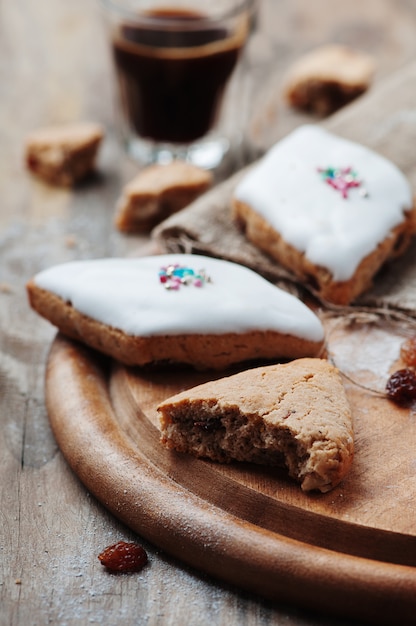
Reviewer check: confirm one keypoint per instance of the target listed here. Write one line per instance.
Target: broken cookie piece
(327, 78)
(157, 192)
(63, 155)
(294, 415)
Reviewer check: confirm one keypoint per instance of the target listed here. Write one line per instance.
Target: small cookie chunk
(327, 78)
(166, 309)
(294, 415)
(157, 192)
(328, 209)
(63, 155)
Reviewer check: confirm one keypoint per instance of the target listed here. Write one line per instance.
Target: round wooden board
(350, 552)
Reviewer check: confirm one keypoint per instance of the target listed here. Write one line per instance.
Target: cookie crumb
(65, 154)
(327, 78)
(6, 288)
(157, 192)
(70, 241)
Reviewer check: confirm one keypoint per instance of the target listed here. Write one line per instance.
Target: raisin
(32, 163)
(209, 425)
(408, 352)
(401, 386)
(123, 557)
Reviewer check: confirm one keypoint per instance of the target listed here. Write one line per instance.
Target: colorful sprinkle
(174, 276)
(342, 179)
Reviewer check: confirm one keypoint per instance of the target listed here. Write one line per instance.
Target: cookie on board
(190, 309)
(294, 415)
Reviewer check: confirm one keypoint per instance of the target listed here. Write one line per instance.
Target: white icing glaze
(336, 233)
(127, 294)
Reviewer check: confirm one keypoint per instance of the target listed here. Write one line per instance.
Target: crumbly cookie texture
(65, 154)
(294, 415)
(175, 308)
(329, 210)
(157, 192)
(327, 78)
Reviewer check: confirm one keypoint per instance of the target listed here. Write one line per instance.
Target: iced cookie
(330, 210)
(63, 155)
(294, 415)
(327, 78)
(157, 192)
(175, 308)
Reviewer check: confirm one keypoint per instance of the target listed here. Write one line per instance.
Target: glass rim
(129, 13)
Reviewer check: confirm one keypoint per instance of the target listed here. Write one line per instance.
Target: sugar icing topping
(127, 294)
(333, 230)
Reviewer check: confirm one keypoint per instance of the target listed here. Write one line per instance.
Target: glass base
(208, 153)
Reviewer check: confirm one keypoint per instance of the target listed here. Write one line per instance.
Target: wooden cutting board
(350, 552)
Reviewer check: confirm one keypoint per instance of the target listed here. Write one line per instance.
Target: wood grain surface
(55, 67)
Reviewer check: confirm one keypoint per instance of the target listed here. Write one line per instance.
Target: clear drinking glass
(180, 73)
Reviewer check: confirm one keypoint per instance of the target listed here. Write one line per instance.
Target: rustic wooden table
(55, 67)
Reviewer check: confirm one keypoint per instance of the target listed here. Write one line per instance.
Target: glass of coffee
(180, 76)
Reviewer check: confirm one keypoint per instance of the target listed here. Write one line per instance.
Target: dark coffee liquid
(172, 85)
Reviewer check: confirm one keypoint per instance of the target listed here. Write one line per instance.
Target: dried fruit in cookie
(124, 557)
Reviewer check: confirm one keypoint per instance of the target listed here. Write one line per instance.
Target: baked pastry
(63, 155)
(165, 309)
(157, 192)
(327, 78)
(294, 415)
(330, 210)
